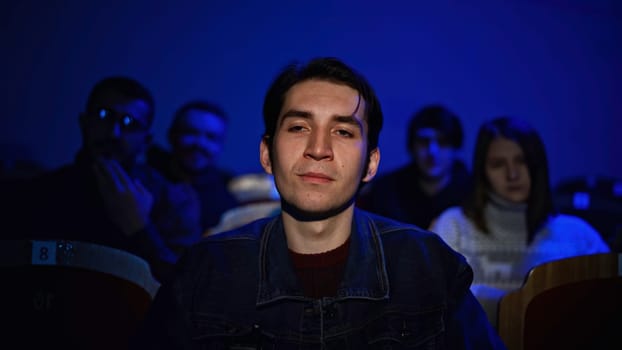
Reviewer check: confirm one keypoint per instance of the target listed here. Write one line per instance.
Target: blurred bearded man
(196, 138)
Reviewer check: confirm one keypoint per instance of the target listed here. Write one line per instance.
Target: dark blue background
(557, 64)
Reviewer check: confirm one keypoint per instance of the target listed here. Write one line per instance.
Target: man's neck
(313, 237)
(84, 156)
(186, 175)
(432, 186)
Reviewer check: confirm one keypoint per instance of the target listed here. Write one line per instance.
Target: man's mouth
(316, 177)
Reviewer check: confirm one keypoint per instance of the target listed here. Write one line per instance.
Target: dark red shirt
(320, 274)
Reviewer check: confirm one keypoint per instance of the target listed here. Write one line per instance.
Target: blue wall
(557, 64)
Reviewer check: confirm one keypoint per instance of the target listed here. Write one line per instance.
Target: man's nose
(319, 146)
(433, 147)
(114, 129)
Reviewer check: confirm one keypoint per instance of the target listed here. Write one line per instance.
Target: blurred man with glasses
(106, 196)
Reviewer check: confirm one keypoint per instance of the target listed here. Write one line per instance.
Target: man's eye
(422, 142)
(103, 113)
(443, 142)
(127, 120)
(295, 128)
(345, 133)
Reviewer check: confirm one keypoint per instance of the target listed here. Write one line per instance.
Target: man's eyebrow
(296, 113)
(349, 119)
(346, 119)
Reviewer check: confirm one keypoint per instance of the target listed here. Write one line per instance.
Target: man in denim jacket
(321, 274)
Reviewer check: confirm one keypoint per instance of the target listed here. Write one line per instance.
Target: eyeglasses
(127, 122)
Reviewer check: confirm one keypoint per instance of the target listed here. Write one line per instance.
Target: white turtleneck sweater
(502, 258)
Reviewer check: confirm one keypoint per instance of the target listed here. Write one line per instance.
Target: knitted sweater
(502, 258)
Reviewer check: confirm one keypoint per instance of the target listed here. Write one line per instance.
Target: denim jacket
(403, 288)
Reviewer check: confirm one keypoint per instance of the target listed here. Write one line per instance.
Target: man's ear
(372, 166)
(170, 136)
(82, 120)
(264, 155)
(83, 123)
(149, 139)
(146, 142)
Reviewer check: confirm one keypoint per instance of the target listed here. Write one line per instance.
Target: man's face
(507, 171)
(198, 140)
(433, 154)
(319, 148)
(116, 127)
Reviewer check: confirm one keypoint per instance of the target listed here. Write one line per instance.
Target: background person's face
(507, 171)
(433, 154)
(198, 140)
(319, 148)
(116, 127)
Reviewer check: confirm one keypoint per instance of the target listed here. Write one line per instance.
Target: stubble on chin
(304, 214)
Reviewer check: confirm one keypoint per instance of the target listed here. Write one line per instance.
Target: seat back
(72, 295)
(568, 303)
(597, 200)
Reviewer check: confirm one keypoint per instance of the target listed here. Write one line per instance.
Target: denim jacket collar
(365, 275)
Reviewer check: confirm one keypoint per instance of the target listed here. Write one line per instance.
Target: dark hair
(201, 105)
(437, 117)
(324, 68)
(540, 201)
(126, 87)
